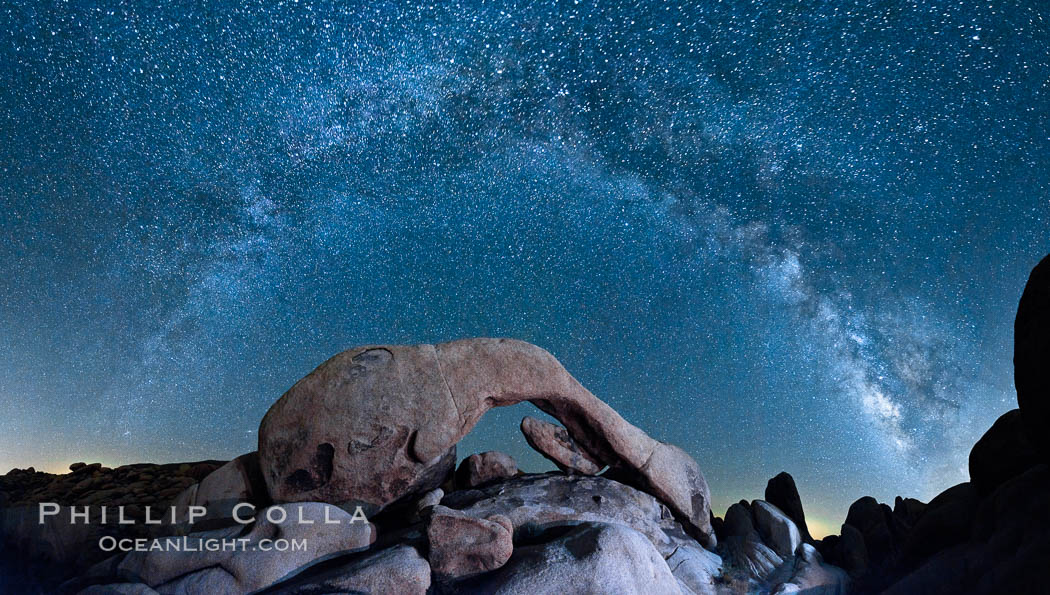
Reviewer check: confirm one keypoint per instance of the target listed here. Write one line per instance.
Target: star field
(784, 236)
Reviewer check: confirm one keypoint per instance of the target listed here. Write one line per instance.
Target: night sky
(782, 235)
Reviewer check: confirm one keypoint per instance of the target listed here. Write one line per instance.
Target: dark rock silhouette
(852, 552)
(882, 532)
(1005, 551)
(908, 510)
(1003, 452)
(945, 522)
(1032, 355)
(738, 521)
(782, 493)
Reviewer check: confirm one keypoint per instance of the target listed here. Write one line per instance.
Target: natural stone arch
(375, 424)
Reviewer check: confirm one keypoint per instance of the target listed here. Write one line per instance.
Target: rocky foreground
(357, 459)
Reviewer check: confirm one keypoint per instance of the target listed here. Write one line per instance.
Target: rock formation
(776, 528)
(479, 469)
(555, 443)
(782, 493)
(532, 502)
(1003, 452)
(811, 575)
(1032, 355)
(399, 569)
(325, 528)
(373, 425)
(585, 558)
(764, 552)
(221, 490)
(462, 545)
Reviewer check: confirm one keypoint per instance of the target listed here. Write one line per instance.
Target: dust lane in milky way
(783, 237)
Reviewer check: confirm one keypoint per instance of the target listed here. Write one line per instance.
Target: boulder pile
(136, 485)
(57, 548)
